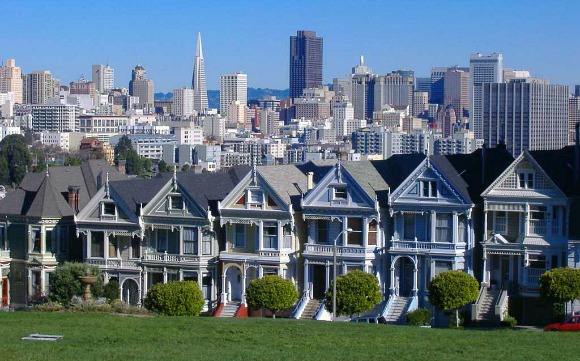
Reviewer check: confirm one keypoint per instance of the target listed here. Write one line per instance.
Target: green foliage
(185, 168)
(79, 305)
(65, 283)
(560, 284)
(111, 291)
(419, 317)
(48, 307)
(356, 292)
(17, 159)
(271, 292)
(122, 147)
(119, 306)
(509, 321)
(162, 166)
(175, 299)
(452, 289)
(558, 312)
(73, 159)
(146, 164)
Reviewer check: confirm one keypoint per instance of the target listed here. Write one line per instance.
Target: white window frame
(338, 191)
(236, 243)
(104, 214)
(431, 187)
(525, 177)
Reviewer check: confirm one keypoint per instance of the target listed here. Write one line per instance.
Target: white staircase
(396, 313)
(230, 309)
(486, 315)
(310, 310)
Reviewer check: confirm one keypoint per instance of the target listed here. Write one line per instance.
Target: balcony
(538, 226)
(417, 247)
(114, 263)
(170, 258)
(341, 251)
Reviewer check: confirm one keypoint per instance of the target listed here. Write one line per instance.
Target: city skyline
(260, 48)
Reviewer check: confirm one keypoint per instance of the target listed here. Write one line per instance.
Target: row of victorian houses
(404, 220)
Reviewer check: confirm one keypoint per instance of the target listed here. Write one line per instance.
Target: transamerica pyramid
(198, 80)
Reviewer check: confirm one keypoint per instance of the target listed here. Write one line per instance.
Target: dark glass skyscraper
(305, 62)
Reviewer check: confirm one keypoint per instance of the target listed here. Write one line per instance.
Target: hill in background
(213, 96)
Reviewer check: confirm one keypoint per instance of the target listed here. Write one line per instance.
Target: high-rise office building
(394, 89)
(141, 87)
(233, 87)
(39, 87)
(103, 77)
(577, 90)
(437, 94)
(525, 114)
(573, 117)
(362, 90)
(482, 69)
(183, 102)
(423, 84)
(305, 62)
(198, 80)
(456, 91)
(11, 80)
(420, 103)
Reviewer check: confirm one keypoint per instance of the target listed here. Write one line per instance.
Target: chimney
(73, 197)
(309, 181)
(121, 166)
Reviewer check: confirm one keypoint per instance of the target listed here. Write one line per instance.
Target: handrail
(300, 306)
(475, 306)
(388, 306)
(320, 311)
(501, 306)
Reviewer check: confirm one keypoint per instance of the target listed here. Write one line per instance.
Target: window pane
(190, 240)
(35, 239)
(135, 247)
(409, 226)
(355, 237)
(443, 228)
(322, 231)
(240, 235)
(372, 236)
(97, 244)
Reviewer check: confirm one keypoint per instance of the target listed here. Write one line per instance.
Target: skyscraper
(11, 80)
(573, 117)
(198, 79)
(305, 62)
(183, 102)
(456, 91)
(39, 87)
(525, 114)
(103, 77)
(141, 87)
(233, 87)
(437, 85)
(482, 69)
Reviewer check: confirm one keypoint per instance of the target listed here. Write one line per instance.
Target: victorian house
(342, 215)
(262, 228)
(37, 229)
(143, 232)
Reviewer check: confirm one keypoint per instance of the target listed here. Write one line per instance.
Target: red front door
(5, 290)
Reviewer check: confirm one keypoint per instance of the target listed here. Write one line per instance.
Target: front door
(318, 281)
(406, 277)
(234, 283)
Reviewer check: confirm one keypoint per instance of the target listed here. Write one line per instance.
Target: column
(260, 235)
(454, 229)
(105, 245)
(244, 268)
(42, 240)
(327, 273)
(306, 275)
(280, 234)
(392, 286)
(87, 245)
(365, 231)
(144, 288)
(485, 214)
(181, 240)
(433, 224)
(527, 220)
(42, 280)
(415, 278)
(224, 295)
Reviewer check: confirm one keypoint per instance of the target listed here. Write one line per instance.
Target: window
(526, 180)
(269, 271)
(500, 222)
(462, 228)
(161, 245)
(256, 198)
(108, 209)
(339, 194)
(287, 234)
(2, 239)
(176, 202)
(113, 246)
(408, 226)
(443, 227)
(97, 244)
(190, 241)
(270, 232)
(354, 237)
(441, 266)
(206, 240)
(240, 236)
(321, 231)
(429, 189)
(372, 236)
(135, 247)
(50, 240)
(35, 239)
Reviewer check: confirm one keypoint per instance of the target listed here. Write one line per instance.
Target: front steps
(230, 309)
(310, 310)
(397, 311)
(486, 316)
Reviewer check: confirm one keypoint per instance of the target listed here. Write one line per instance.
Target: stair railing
(475, 306)
(301, 305)
(501, 305)
(388, 305)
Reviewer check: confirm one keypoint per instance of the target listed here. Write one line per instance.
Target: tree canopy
(356, 292)
(175, 298)
(452, 289)
(65, 283)
(15, 159)
(271, 292)
(560, 284)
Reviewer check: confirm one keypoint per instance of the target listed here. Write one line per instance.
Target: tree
(273, 293)
(450, 290)
(146, 164)
(175, 298)
(162, 166)
(111, 291)
(123, 146)
(356, 292)
(14, 150)
(185, 168)
(73, 159)
(134, 163)
(560, 285)
(65, 283)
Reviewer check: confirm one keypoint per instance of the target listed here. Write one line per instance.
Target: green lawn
(112, 337)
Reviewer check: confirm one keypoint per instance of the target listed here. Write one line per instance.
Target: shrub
(64, 282)
(119, 306)
(111, 291)
(419, 317)
(48, 307)
(272, 292)
(175, 299)
(509, 321)
(356, 292)
(77, 304)
(450, 290)
(560, 285)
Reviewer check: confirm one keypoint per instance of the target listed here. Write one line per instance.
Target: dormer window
(108, 209)
(428, 189)
(255, 198)
(339, 193)
(525, 180)
(176, 202)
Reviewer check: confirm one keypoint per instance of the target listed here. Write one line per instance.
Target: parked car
(371, 319)
(571, 324)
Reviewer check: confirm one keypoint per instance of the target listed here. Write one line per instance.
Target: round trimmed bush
(419, 317)
(271, 292)
(175, 299)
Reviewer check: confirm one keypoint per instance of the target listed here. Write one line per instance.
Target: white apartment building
(214, 127)
(183, 102)
(188, 135)
(233, 87)
(6, 130)
(103, 77)
(67, 141)
(148, 145)
(55, 117)
(482, 69)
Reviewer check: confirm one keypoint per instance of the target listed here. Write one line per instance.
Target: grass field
(113, 337)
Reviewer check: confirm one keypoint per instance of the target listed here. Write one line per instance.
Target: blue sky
(66, 37)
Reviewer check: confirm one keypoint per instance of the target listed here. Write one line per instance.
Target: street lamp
(348, 230)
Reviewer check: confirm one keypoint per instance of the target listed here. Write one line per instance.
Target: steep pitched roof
(397, 168)
(480, 168)
(284, 179)
(446, 169)
(368, 178)
(47, 204)
(135, 192)
(319, 168)
(559, 166)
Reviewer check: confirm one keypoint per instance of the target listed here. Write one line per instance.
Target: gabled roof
(47, 204)
(319, 168)
(559, 165)
(397, 168)
(284, 179)
(135, 192)
(368, 178)
(451, 175)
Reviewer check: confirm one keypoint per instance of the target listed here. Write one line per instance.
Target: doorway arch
(404, 276)
(234, 284)
(130, 292)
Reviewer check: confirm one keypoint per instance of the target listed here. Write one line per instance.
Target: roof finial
(107, 185)
(339, 170)
(254, 171)
(46, 163)
(174, 179)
